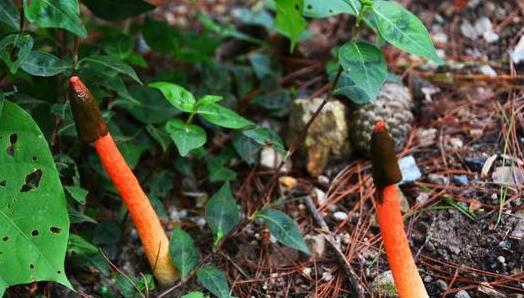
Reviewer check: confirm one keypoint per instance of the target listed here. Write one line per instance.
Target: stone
(488, 290)
(518, 53)
(462, 294)
(475, 163)
(518, 231)
(461, 180)
(488, 70)
(340, 216)
(438, 179)
(426, 137)
(271, 159)
(327, 137)
(317, 245)
(384, 286)
(409, 169)
(508, 176)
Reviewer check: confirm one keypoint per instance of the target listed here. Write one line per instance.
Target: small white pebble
(307, 271)
(501, 259)
(327, 276)
(340, 216)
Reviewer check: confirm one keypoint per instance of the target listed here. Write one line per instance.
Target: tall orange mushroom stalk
(92, 129)
(386, 175)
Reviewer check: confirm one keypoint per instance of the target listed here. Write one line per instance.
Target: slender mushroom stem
(386, 174)
(92, 129)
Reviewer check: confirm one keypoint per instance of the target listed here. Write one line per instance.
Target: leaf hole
(331, 11)
(309, 6)
(34, 158)
(55, 230)
(34, 233)
(3, 183)
(297, 7)
(31, 266)
(32, 181)
(59, 272)
(5, 238)
(12, 141)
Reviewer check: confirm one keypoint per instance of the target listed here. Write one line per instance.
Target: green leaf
(323, 8)
(183, 251)
(159, 36)
(265, 137)
(186, 136)
(402, 29)
(112, 64)
(289, 19)
(9, 15)
(194, 295)
(246, 148)
(117, 10)
(214, 280)
(208, 99)
(147, 105)
(2, 101)
(177, 95)
(55, 14)
(365, 65)
(283, 228)
(14, 49)
(34, 224)
(160, 136)
(44, 64)
(222, 212)
(77, 193)
(221, 116)
(218, 171)
(79, 245)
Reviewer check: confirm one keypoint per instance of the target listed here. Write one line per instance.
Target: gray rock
(461, 179)
(317, 245)
(410, 170)
(327, 137)
(462, 294)
(384, 286)
(438, 179)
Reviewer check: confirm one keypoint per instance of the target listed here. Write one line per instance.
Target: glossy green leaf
(323, 8)
(247, 148)
(183, 251)
(115, 10)
(283, 228)
(208, 99)
(177, 95)
(214, 280)
(79, 245)
(14, 49)
(147, 105)
(62, 14)
(266, 137)
(112, 64)
(222, 116)
(194, 295)
(9, 14)
(218, 171)
(289, 19)
(44, 64)
(77, 193)
(365, 65)
(402, 29)
(186, 136)
(222, 212)
(34, 224)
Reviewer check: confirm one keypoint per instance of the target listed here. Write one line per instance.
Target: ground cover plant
(146, 149)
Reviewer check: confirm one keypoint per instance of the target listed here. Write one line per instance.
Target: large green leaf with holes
(34, 225)
(323, 8)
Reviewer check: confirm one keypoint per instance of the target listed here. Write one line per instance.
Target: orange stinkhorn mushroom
(386, 175)
(92, 129)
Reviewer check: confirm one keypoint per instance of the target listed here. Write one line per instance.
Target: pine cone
(393, 105)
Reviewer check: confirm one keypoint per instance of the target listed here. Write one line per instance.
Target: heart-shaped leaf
(14, 49)
(186, 136)
(283, 228)
(34, 224)
(177, 95)
(222, 212)
(289, 19)
(183, 251)
(365, 65)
